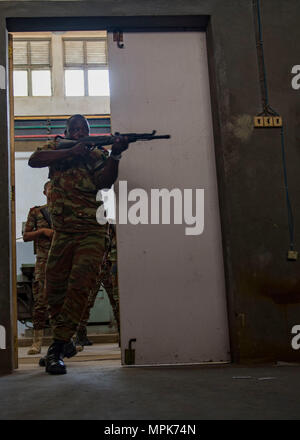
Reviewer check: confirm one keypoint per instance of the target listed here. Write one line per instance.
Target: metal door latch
(130, 353)
(118, 37)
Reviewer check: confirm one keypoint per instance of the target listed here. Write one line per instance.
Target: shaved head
(77, 124)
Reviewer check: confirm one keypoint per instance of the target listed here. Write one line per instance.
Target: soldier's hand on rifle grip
(79, 149)
(120, 144)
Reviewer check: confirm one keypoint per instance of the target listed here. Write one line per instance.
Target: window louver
(96, 52)
(31, 53)
(85, 52)
(74, 53)
(40, 52)
(20, 53)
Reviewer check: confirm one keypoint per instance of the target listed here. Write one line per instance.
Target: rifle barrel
(164, 136)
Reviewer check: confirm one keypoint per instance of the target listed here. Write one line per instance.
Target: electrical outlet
(292, 255)
(267, 121)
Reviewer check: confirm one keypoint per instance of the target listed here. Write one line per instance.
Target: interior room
(206, 214)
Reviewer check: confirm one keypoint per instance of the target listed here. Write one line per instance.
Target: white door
(172, 290)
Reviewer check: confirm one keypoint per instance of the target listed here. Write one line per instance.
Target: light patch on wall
(2, 338)
(2, 78)
(241, 127)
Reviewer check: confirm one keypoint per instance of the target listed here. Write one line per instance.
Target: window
(86, 69)
(32, 67)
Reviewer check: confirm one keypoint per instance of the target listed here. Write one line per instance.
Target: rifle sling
(46, 215)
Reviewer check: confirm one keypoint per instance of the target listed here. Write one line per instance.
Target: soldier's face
(78, 129)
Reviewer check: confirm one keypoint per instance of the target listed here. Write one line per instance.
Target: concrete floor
(104, 390)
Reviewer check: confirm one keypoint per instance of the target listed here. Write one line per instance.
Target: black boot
(69, 351)
(54, 358)
(81, 337)
(42, 361)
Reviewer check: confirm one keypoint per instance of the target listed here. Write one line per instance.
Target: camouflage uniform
(107, 277)
(35, 221)
(78, 240)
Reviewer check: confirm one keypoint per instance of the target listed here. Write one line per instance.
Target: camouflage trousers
(115, 291)
(109, 280)
(39, 312)
(71, 273)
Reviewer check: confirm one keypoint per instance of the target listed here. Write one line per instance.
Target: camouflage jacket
(72, 196)
(35, 221)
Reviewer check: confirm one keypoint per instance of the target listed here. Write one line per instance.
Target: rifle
(99, 141)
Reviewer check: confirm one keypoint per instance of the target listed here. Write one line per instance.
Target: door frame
(129, 24)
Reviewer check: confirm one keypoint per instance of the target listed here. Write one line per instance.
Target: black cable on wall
(268, 111)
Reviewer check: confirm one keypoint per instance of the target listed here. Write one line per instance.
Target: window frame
(85, 66)
(30, 67)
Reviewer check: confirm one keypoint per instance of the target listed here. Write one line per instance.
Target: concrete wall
(262, 286)
(6, 355)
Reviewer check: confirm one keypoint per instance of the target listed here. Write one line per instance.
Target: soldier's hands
(80, 149)
(120, 144)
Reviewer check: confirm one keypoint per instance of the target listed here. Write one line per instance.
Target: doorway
(55, 75)
(164, 316)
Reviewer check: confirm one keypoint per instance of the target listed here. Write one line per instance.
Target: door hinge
(10, 51)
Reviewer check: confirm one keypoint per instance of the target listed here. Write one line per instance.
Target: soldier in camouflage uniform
(38, 229)
(108, 278)
(78, 242)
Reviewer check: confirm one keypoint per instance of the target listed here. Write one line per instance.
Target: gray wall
(262, 287)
